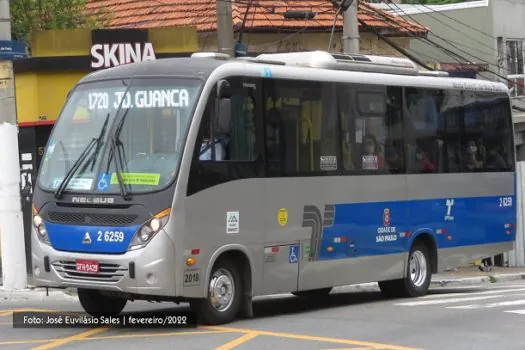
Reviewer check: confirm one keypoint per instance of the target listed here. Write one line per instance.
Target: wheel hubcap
(221, 290)
(418, 268)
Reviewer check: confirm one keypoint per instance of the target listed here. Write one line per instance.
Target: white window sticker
(74, 184)
(370, 163)
(232, 222)
(170, 98)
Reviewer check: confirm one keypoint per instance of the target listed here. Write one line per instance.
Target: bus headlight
(40, 227)
(149, 229)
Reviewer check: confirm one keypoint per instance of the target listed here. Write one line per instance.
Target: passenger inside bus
(423, 164)
(370, 154)
(393, 157)
(474, 156)
(494, 158)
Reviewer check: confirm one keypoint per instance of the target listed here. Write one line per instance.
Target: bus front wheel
(417, 279)
(224, 296)
(97, 304)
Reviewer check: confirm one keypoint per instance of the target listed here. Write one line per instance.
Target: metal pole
(351, 29)
(225, 27)
(11, 221)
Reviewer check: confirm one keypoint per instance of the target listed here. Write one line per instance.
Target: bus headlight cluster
(40, 227)
(149, 229)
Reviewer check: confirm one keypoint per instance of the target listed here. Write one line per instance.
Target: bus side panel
(229, 214)
(349, 228)
(470, 215)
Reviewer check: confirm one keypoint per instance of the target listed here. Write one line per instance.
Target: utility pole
(351, 29)
(225, 27)
(14, 275)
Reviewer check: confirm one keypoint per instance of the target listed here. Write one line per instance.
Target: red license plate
(90, 266)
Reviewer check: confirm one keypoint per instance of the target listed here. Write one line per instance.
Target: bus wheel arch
(235, 271)
(429, 241)
(421, 263)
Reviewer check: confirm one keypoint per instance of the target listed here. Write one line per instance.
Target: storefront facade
(59, 59)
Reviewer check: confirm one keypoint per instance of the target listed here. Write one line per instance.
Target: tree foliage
(35, 15)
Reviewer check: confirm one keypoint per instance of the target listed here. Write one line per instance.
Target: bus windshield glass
(139, 123)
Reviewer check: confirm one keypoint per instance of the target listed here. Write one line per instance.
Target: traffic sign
(12, 50)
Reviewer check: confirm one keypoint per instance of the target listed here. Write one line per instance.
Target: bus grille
(91, 219)
(107, 273)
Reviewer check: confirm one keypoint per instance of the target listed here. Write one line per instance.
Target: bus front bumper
(147, 271)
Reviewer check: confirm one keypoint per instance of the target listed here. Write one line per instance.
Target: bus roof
(187, 66)
(298, 65)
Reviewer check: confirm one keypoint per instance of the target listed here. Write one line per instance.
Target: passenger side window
(487, 143)
(455, 131)
(301, 128)
(424, 130)
(372, 130)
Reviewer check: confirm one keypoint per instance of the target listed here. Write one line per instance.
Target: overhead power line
(448, 52)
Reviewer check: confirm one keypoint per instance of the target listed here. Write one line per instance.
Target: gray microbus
(211, 180)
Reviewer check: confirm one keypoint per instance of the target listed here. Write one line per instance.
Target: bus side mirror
(224, 89)
(224, 116)
(224, 107)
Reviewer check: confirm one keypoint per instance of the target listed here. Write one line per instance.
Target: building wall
(281, 42)
(507, 17)
(469, 43)
(41, 95)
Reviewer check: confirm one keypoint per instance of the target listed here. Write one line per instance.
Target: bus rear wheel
(417, 279)
(224, 296)
(97, 304)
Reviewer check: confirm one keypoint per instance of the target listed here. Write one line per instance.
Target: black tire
(96, 304)
(207, 313)
(412, 286)
(314, 293)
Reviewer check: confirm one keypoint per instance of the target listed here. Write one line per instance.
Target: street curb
(469, 281)
(36, 294)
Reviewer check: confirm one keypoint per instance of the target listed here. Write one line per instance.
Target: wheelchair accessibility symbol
(293, 255)
(103, 182)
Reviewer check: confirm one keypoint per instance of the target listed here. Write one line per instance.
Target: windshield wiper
(95, 141)
(69, 175)
(115, 142)
(99, 142)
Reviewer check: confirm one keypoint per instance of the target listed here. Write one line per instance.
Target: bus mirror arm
(223, 121)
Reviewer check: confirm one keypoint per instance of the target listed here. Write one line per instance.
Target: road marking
(36, 341)
(79, 336)
(520, 312)
(312, 338)
(149, 335)
(238, 341)
(9, 312)
(446, 301)
(486, 306)
(432, 296)
(134, 335)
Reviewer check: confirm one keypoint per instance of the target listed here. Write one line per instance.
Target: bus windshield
(139, 123)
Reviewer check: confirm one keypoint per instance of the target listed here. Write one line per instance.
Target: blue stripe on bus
(104, 240)
(358, 229)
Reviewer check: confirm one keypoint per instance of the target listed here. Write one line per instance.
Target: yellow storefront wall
(41, 95)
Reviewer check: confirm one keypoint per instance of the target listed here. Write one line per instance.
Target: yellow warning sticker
(137, 179)
(282, 217)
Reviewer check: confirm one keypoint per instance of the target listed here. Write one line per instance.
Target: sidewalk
(473, 276)
(466, 276)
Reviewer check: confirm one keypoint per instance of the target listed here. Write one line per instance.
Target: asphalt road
(487, 317)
